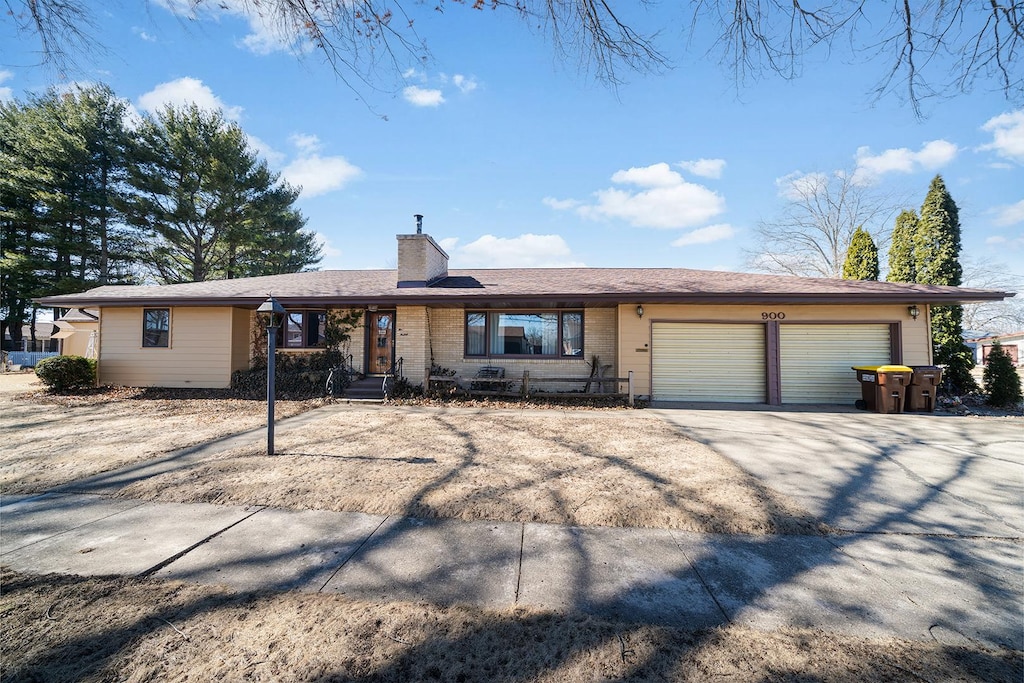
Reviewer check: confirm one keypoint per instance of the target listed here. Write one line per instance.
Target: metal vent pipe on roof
(419, 223)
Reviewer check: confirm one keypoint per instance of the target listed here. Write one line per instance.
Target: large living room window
(304, 329)
(156, 328)
(554, 334)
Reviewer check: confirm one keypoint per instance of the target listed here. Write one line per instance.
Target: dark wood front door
(381, 347)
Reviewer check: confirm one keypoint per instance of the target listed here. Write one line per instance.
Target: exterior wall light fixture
(914, 311)
(639, 310)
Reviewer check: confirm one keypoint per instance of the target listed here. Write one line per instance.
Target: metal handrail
(395, 372)
(340, 376)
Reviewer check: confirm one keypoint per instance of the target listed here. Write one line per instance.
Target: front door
(381, 347)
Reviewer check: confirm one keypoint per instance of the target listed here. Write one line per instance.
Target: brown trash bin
(868, 378)
(892, 383)
(924, 387)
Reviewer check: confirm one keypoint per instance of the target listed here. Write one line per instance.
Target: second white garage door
(815, 360)
(708, 362)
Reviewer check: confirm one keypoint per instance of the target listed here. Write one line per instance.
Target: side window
(156, 327)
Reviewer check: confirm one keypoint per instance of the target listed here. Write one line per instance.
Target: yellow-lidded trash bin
(924, 387)
(892, 383)
(883, 386)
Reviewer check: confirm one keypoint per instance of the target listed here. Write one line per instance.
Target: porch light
(639, 310)
(914, 311)
(271, 315)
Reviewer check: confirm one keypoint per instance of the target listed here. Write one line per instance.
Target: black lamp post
(272, 314)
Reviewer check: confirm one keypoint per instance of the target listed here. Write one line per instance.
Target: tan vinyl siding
(199, 354)
(635, 333)
(448, 329)
(242, 326)
(78, 343)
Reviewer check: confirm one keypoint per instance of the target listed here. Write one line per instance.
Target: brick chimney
(421, 262)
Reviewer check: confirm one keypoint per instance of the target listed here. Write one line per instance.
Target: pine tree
(208, 203)
(937, 262)
(1002, 383)
(902, 267)
(861, 257)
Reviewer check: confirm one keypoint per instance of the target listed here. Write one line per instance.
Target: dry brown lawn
(52, 440)
(606, 468)
(62, 628)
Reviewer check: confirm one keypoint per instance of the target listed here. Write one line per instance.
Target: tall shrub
(861, 258)
(937, 262)
(1002, 383)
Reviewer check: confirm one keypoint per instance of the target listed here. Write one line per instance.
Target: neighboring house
(683, 334)
(79, 330)
(1012, 343)
(45, 339)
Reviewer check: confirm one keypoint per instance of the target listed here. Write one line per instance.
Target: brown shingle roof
(562, 286)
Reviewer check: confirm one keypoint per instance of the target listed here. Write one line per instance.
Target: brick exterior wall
(420, 259)
(447, 341)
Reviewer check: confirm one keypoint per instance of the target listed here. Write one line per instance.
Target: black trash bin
(924, 387)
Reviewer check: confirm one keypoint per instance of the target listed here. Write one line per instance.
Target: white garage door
(815, 360)
(708, 362)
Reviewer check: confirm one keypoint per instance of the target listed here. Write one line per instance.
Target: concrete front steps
(366, 389)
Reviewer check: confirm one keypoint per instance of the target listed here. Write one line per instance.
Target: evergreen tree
(861, 258)
(61, 167)
(207, 203)
(1002, 383)
(937, 262)
(902, 267)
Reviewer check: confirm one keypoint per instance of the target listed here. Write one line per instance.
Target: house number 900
(773, 316)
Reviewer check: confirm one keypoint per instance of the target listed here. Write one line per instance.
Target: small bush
(297, 376)
(67, 373)
(1002, 383)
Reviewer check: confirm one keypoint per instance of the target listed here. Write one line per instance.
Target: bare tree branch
(932, 47)
(811, 235)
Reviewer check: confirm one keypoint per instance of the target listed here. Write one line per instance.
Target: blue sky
(517, 159)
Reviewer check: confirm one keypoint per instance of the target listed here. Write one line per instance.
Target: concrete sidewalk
(960, 591)
(931, 509)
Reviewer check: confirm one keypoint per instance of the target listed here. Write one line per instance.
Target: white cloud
(448, 243)
(706, 235)
(328, 249)
(319, 175)
(524, 251)
(141, 33)
(306, 144)
(798, 185)
(1007, 135)
(1010, 215)
(422, 97)
(705, 168)
(932, 156)
(561, 204)
(464, 83)
(185, 91)
(996, 239)
(664, 200)
(5, 92)
(265, 151)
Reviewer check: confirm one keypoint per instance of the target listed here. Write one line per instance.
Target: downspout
(931, 344)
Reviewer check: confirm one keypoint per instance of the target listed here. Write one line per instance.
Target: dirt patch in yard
(51, 440)
(611, 468)
(70, 628)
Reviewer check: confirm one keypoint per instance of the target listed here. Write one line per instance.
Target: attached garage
(720, 362)
(815, 360)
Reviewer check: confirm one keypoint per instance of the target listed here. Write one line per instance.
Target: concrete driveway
(880, 474)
